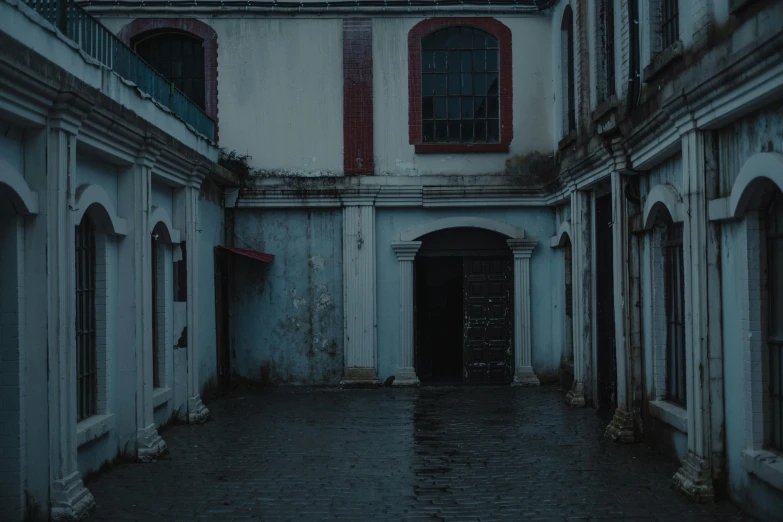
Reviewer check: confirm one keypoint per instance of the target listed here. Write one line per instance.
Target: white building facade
(587, 192)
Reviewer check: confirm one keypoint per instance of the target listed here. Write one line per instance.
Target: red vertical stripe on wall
(357, 96)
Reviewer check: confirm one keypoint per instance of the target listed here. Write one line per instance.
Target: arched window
(174, 47)
(459, 86)
(178, 56)
(460, 93)
(567, 66)
(774, 247)
(674, 295)
(86, 331)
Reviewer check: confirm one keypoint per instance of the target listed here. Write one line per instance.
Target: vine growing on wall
(236, 163)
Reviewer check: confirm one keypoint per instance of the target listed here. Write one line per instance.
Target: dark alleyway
(449, 454)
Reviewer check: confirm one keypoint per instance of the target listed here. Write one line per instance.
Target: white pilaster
(623, 425)
(695, 476)
(359, 287)
(197, 412)
(581, 277)
(149, 444)
(69, 498)
(406, 253)
(523, 350)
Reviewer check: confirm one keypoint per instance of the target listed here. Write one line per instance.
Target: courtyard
(432, 453)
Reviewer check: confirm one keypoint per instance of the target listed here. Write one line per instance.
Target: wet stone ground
(436, 454)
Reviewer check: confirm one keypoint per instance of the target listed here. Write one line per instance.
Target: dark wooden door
(488, 322)
(604, 320)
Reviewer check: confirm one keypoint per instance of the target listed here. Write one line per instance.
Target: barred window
(155, 311)
(774, 232)
(674, 294)
(568, 76)
(86, 345)
(670, 24)
(606, 31)
(460, 86)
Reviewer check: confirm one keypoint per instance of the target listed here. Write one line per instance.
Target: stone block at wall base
(694, 478)
(405, 377)
(576, 395)
(360, 377)
(150, 446)
(71, 501)
(197, 412)
(525, 377)
(621, 429)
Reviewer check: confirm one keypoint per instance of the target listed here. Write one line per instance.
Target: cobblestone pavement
(436, 454)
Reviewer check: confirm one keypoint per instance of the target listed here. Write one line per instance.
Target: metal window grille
(569, 294)
(670, 24)
(86, 367)
(607, 32)
(674, 293)
(774, 230)
(180, 58)
(568, 27)
(460, 86)
(155, 343)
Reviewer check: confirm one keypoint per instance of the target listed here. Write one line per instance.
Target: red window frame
(141, 27)
(415, 35)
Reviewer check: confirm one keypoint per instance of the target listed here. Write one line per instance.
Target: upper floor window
(460, 94)
(179, 57)
(459, 85)
(568, 76)
(670, 24)
(774, 246)
(674, 294)
(606, 87)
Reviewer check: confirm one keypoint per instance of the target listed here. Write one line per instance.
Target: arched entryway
(465, 306)
(463, 300)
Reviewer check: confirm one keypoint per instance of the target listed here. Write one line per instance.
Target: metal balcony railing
(101, 44)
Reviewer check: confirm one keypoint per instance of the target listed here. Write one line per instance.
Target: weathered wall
(545, 270)
(282, 103)
(211, 234)
(287, 317)
(93, 170)
(759, 132)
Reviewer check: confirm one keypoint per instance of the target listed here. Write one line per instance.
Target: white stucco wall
(280, 95)
(211, 234)
(93, 170)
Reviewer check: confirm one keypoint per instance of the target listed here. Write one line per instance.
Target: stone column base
(694, 478)
(405, 377)
(621, 429)
(71, 501)
(197, 412)
(150, 445)
(576, 395)
(525, 377)
(360, 377)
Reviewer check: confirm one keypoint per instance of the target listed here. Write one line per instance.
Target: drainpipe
(634, 76)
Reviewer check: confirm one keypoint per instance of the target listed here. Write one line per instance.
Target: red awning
(252, 254)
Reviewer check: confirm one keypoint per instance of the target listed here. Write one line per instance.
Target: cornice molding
(69, 111)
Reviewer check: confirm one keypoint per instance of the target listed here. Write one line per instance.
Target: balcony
(102, 45)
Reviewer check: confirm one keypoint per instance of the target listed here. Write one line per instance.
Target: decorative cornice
(522, 248)
(359, 196)
(149, 152)
(406, 250)
(69, 112)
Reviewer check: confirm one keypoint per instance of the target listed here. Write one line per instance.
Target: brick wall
(357, 96)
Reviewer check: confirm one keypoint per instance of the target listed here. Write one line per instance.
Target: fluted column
(359, 287)
(406, 253)
(581, 284)
(523, 348)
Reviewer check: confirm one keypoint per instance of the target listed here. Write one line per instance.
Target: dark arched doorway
(464, 307)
